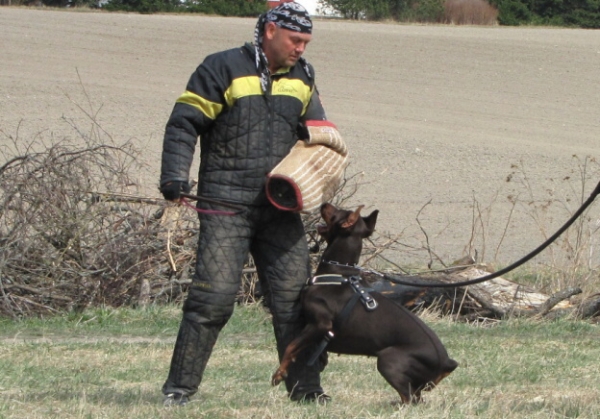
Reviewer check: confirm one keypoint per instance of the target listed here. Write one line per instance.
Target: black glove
(172, 190)
(302, 131)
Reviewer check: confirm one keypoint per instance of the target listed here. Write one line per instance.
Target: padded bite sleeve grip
(312, 172)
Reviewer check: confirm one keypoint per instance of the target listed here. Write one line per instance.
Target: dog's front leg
(306, 337)
(289, 356)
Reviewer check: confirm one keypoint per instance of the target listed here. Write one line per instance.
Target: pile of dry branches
(73, 235)
(70, 236)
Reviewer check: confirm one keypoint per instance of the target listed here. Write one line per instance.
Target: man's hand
(172, 190)
(302, 131)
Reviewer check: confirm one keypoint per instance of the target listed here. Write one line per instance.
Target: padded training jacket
(243, 132)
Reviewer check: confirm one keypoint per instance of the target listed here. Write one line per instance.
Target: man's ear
(270, 28)
(370, 221)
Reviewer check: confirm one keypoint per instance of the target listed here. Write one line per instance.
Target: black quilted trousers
(277, 242)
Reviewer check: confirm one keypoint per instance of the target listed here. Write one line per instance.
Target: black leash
(509, 268)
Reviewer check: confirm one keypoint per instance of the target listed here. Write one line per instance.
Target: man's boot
(193, 348)
(303, 382)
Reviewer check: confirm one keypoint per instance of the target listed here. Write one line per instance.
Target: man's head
(283, 33)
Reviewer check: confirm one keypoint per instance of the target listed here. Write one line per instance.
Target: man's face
(283, 47)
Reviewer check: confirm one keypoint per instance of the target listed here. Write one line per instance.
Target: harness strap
(319, 350)
(365, 298)
(337, 324)
(360, 293)
(339, 321)
(328, 279)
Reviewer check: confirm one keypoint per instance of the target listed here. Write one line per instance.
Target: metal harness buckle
(365, 298)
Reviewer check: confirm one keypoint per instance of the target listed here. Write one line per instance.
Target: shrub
(141, 6)
(430, 11)
(470, 12)
(582, 18)
(513, 13)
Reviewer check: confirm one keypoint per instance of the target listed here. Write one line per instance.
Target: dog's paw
(278, 377)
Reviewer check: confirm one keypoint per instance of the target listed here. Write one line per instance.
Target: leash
(210, 201)
(119, 197)
(501, 272)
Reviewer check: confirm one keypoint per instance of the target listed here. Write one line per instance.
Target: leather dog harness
(360, 293)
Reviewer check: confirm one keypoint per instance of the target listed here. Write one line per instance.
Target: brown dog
(409, 354)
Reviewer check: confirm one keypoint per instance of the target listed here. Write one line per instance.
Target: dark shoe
(175, 399)
(317, 397)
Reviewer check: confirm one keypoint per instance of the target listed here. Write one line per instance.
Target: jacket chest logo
(285, 88)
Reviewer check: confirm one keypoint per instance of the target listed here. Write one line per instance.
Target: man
(247, 105)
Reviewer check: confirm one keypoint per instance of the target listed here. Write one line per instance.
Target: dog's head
(343, 223)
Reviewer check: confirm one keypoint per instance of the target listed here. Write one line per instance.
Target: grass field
(476, 121)
(111, 364)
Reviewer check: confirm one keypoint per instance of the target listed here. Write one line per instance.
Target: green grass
(111, 364)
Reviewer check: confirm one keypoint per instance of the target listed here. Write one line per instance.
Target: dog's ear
(327, 211)
(370, 222)
(353, 218)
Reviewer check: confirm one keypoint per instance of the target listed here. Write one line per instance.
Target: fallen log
(508, 298)
(498, 298)
(446, 300)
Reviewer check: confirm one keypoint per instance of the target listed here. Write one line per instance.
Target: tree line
(575, 13)
(570, 13)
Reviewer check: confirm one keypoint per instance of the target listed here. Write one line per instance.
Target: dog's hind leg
(450, 365)
(393, 366)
